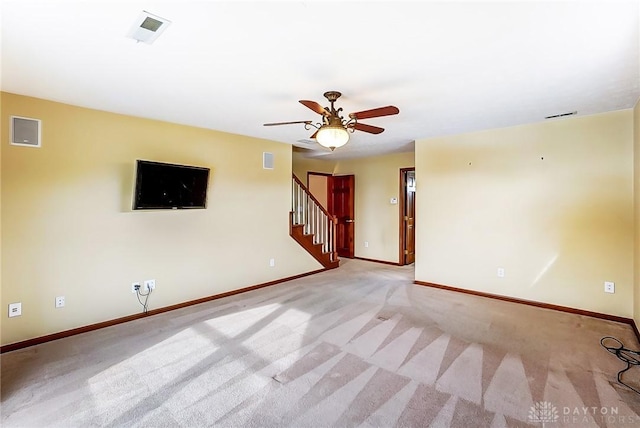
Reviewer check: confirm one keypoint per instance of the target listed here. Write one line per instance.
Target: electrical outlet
(500, 272)
(135, 287)
(366, 244)
(15, 309)
(60, 302)
(609, 287)
(150, 284)
(272, 262)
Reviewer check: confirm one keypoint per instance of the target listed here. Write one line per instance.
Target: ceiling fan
(334, 130)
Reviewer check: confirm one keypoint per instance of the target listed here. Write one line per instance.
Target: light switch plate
(15, 309)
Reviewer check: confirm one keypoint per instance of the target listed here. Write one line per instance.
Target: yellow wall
(2, 305)
(377, 181)
(302, 165)
(636, 191)
(68, 228)
(551, 203)
(317, 185)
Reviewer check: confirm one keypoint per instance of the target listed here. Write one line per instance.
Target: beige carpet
(359, 346)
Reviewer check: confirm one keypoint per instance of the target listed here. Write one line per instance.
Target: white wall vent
(267, 160)
(553, 116)
(147, 27)
(307, 142)
(26, 131)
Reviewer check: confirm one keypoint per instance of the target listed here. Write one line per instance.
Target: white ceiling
(450, 67)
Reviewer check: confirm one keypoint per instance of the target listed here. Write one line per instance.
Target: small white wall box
(15, 309)
(26, 131)
(267, 160)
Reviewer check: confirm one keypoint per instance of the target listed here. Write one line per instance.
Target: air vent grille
(561, 115)
(147, 27)
(151, 24)
(25, 131)
(307, 142)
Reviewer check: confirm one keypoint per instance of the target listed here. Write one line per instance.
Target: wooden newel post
(334, 220)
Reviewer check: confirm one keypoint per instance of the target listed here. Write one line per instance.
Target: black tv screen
(168, 186)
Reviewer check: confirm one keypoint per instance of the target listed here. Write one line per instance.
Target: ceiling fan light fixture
(332, 136)
(334, 131)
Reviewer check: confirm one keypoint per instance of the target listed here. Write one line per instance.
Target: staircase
(312, 226)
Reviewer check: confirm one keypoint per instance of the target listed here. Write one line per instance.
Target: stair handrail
(323, 229)
(313, 198)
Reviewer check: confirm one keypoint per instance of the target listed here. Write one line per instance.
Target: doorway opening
(407, 215)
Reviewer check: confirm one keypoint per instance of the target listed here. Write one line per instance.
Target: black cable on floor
(632, 358)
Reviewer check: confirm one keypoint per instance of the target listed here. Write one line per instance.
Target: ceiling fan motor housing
(332, 95)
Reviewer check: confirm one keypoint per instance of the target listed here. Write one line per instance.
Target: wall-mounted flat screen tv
(169, 186)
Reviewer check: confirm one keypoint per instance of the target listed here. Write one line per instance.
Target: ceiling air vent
(147, 27)
(571, 113)
(307, 142)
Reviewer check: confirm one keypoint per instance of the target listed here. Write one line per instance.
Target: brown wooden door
(342, 206)
(408, 214)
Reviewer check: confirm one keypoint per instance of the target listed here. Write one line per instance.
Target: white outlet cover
(60, 302)
(272, 262)
(501, 272)
(609, 287)
(150, 284)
